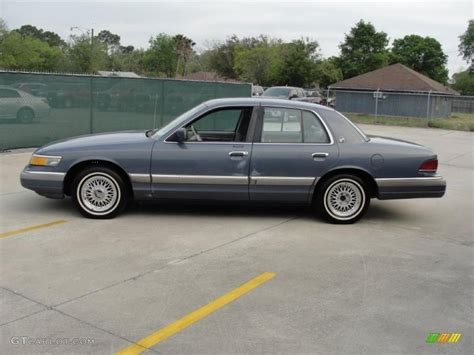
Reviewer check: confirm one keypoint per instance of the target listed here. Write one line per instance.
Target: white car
(19, 105)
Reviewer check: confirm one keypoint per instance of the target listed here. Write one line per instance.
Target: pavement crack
(136, 277)
(52, 308)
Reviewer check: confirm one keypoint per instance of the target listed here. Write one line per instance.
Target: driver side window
(220, 125)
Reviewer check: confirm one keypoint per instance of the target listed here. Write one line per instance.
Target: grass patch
(457, 121)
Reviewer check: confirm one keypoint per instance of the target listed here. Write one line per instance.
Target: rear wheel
(100, 192)
(25, 115)
(343, 199)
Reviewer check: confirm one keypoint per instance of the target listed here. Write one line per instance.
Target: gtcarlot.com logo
(443, 338)
(25, 340)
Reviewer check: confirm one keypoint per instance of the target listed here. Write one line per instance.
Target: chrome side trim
(281, 181)
(199, 179)
(43, 175)
(409, 182)
(145, 178)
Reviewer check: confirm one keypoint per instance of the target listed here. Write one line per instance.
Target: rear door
(292, 149)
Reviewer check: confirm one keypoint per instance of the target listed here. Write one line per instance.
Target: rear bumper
(419, 187)
(45, 183)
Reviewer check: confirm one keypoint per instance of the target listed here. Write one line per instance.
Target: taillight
(429, 166)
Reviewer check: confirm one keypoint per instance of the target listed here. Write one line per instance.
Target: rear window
(342, 127)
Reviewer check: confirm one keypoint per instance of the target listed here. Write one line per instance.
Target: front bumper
(46, 183)
(418, 187)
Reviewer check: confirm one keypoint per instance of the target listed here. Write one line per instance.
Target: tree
(222, 58)
(363, 50)
(422, 54)
(259, 62)
(466, 45)
(18, 52)
(464, 82)
(161, 58)
(110, 40)
(327, 72)
(86, 57)
(299, 59)
(184, 50)
(53, 39)
(3, 28)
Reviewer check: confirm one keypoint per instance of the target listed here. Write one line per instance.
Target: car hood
(100, 140)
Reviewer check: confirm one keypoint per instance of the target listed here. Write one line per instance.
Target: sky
(208, 21)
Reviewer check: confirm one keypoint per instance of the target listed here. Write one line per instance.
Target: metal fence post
(376, 104)
(428, 106)
(91, 106)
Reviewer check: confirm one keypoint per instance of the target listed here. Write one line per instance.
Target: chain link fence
(387, 103)
(38, 108)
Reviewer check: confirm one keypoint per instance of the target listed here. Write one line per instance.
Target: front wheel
(100, 193)
(343, 199)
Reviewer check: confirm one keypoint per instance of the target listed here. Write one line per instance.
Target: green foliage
(222, 58)
(327, 72)
(423, 54)
(84, 56)
(299, 62)
(27, 53)
(466, 45)
(184, 51)
(161, 58)
(257, 62)
(53, 39)
(363, 50)
(110, 40)
(464, 82)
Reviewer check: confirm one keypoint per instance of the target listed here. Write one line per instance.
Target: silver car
(18, 105)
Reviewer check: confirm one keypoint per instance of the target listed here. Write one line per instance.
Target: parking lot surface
(225, 279)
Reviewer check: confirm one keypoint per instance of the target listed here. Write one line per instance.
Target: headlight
(44, 160)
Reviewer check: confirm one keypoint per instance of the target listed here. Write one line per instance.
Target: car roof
(236, 101)
(8, 87)
(283, 87)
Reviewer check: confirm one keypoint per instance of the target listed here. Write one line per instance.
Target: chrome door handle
(238, 154)
(320, 155)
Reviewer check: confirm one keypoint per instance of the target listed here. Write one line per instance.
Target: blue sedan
(242, 149)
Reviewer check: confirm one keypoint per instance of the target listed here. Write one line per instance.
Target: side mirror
(180, 135)
(294, 96)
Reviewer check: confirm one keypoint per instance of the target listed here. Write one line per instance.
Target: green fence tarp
(39, 108)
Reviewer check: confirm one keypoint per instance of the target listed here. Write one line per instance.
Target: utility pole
(91, 64)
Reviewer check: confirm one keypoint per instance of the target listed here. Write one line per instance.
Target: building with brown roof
(395, 90)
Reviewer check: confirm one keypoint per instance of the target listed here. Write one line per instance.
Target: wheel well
(26, 108)
(74, 170)
(366, 177)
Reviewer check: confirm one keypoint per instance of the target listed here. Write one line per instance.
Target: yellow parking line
(27, 229)
(175, 327)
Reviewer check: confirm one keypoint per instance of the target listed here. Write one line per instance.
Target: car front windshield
(178, 120)
(275, 92)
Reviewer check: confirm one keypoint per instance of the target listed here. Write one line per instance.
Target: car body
(257, 90)
(286, 93)
(238, 149)
(313, 96)
(18, 105)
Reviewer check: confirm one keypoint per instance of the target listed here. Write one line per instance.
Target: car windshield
(177, 121)
(277, 92)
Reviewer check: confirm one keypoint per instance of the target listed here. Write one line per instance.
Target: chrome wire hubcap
(344, 199)
(99, 193)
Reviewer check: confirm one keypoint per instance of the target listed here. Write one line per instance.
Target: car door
(292, 149)
(212, 163)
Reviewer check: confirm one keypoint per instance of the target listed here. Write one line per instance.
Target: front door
(211, 164)
(292, 149)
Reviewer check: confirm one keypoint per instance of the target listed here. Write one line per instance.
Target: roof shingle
(396, 77)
